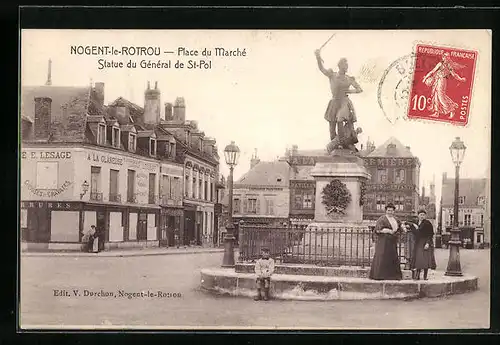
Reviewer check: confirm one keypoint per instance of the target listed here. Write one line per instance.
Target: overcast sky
(275, 96)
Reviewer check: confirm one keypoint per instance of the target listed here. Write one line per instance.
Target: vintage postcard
(255, 179)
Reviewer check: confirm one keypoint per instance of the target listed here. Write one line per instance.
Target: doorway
(142, 227)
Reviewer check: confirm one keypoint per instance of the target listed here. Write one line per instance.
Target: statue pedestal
(349, 168)
(343, 237)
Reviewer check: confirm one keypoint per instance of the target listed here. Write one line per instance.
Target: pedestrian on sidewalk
(93, 240)
(264, 268)
(423, 253)
(385, 264)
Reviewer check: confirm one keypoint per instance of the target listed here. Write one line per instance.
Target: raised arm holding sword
(340, 111)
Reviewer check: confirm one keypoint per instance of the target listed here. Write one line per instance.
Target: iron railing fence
(319, 245)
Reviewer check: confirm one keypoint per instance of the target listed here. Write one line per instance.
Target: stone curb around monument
(226, 281)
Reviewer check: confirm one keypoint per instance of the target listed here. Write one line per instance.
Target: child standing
(264, 268)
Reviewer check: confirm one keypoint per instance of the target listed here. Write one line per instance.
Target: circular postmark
(395, 86)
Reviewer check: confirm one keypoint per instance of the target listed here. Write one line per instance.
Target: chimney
(295, 150)
(152, 105)
(42, 117)
(49, 74)
(122, 114)
(361, 147)
(408, 148)
(180, 110)
(255, 160)
(99, 93)
(169, 116)
(423, 192)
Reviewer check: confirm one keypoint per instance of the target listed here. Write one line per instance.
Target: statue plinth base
(348, 167)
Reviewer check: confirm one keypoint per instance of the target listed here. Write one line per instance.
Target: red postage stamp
(442, 84)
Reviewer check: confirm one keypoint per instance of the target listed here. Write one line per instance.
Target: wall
(47, 174)
(281, 201)
(85, 158)
(474, 211)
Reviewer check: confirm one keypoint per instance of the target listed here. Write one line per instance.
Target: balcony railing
(95, 196)
(113, 197)
(325, 246)
(132, 198)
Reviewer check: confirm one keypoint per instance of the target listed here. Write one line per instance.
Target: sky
(275, 96)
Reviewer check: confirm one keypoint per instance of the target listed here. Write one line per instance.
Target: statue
(340, 111)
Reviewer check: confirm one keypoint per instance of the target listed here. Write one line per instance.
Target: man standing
(340, 108)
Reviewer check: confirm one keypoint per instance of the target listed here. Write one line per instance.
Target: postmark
(441, 87)
(394, 87)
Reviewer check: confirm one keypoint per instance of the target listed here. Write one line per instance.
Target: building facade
(262, 195)
(472, 210)
(117, 166)
(394, 178)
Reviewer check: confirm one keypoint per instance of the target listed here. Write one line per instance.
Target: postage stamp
(442, 83)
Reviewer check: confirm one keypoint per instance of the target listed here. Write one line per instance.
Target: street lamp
(85, 188)
(231, 153)
(457, 150)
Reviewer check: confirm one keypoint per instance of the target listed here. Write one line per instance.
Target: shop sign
(46, 155)
(47, 192)
(400, 162)
(50, 205)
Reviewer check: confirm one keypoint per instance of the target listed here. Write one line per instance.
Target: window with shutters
(252, 206)
(270, 207)
(467, 219)
(236, 205)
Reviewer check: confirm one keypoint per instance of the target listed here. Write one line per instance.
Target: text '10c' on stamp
(442, 84)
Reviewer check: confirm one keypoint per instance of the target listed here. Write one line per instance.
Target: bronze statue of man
(340, 111)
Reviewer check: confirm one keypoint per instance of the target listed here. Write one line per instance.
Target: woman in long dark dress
(385, 263)
(423, 253)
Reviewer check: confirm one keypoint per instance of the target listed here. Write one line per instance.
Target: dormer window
(115, 137)
(480, 200)
(131, 142)
(101, 134)
(152, 147)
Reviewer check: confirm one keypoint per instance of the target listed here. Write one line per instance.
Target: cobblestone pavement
(179, 274)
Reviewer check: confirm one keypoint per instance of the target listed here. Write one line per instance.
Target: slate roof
(400, 151)
(267, 174)
(468, 187)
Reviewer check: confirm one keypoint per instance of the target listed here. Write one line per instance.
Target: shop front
(171, 225)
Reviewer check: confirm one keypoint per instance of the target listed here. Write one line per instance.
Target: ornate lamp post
(231, 153)
(85, 188)
(457, 150)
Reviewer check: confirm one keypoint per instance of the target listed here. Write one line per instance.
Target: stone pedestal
(349, 169)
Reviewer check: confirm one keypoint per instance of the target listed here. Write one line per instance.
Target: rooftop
(471, 188)
(272, 174)
(400, 150)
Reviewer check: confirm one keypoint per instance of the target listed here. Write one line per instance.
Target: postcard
(255, 179)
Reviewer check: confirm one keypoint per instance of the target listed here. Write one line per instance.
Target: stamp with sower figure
(442, 84)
